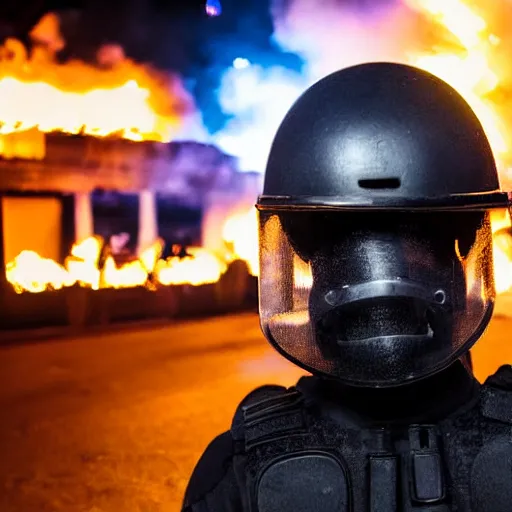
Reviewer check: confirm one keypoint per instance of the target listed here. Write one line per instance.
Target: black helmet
(375, 238)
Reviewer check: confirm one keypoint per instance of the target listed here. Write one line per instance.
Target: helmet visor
(375, 299)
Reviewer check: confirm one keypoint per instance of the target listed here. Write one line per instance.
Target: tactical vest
(291, 458)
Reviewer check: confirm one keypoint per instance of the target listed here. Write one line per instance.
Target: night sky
(173, 34)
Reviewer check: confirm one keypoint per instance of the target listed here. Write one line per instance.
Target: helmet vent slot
(382, 183)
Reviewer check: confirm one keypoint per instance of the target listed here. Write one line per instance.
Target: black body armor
(294, 454)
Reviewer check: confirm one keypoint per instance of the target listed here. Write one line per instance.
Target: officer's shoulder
(258, 398)
(211, 468)
(271, 393)
(214, 465)
(496, 396)
(502, 379)
(262, 393)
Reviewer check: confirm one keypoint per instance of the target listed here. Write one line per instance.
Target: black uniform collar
(425, 401)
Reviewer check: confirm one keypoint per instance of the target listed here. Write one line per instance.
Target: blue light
(241, 63)
(213, 8)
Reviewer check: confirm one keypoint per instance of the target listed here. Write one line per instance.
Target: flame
(116, 97)
(29, 272)
(471, 71)
(469, 68)
(32, 273)
(502, 250)
(83, 262)
(200, 267)
(240, 233)
(122, 109)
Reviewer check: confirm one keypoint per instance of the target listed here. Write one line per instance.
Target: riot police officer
(376, 276)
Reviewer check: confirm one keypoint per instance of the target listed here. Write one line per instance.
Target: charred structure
(51, 204)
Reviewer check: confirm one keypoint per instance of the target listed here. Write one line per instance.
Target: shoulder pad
(502, 379)
(270, 412)
(210, 469)
(255, 396)
(262, 393)
(496, 398)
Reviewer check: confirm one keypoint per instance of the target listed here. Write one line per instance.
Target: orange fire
(471, 67)
(117, 97)
(240, 232)
(502, 250)
(29, 272)
(201, 267)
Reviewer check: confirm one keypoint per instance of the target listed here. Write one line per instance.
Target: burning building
(91, 183)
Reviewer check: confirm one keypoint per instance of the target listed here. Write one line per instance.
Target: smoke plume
(327, 35)
(465, 44)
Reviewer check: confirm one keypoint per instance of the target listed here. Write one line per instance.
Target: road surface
(116, 423)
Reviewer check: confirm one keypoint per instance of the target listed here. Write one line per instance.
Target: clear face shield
(375, 299)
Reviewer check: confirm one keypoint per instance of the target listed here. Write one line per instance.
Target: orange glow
(119, 98)
(470, 67)
(502, 250)
(32, 273)
(240, 233)
(302, 277)
(30, 223)
(201, 267)
(89, 112)
(83, 262)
